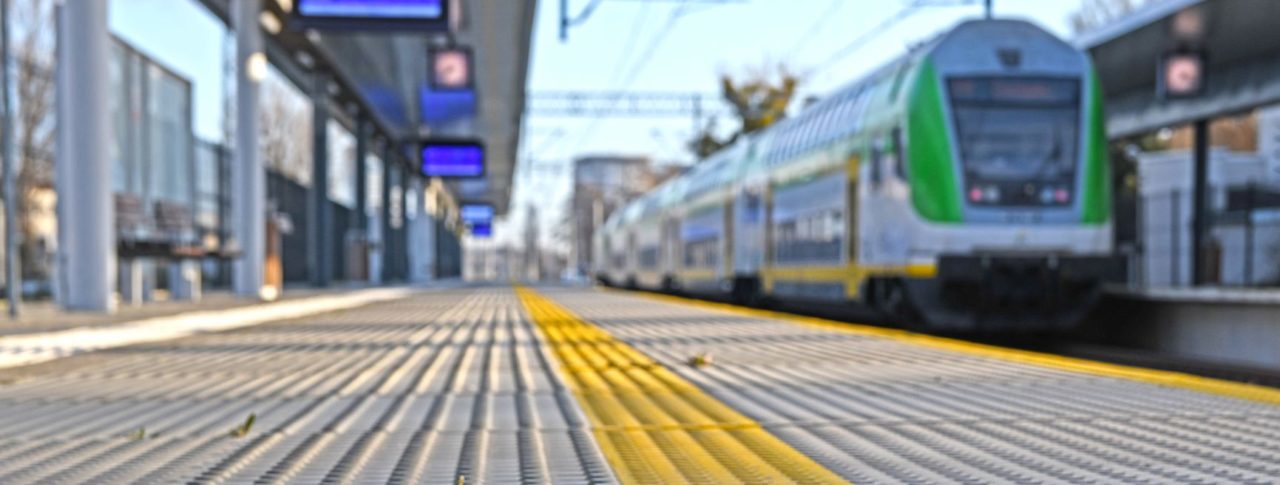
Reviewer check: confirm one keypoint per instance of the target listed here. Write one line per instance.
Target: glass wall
(152, 149)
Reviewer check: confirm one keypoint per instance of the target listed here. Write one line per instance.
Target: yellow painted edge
(1250, 392)
(851, 275)
(795, 460)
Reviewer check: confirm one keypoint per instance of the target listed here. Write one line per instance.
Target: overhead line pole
(12, 277)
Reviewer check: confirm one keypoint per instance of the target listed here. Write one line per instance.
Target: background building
(601, 184)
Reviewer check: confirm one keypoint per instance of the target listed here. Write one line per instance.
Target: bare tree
(33, 52)
(759, 98)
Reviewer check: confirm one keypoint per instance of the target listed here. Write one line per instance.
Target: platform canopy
(1240, 39)
(385, 73)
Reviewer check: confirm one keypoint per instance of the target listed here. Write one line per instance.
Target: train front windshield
(1018, 139)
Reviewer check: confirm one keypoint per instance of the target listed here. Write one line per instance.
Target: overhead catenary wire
(636, 69)
(903, 13)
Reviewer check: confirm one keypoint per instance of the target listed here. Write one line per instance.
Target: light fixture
(270, 22)
(256, 67)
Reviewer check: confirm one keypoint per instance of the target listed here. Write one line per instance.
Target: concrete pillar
(321, 223)
(248, 177)
(86, 211)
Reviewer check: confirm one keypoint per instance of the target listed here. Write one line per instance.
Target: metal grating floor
(459, 386)
(446, 387)
(877, 410)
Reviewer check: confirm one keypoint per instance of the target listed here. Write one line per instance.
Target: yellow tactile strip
(652, 425)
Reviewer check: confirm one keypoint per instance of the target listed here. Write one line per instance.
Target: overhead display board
(482, 230)
(476, 213)
(452, 159)
(417, 15)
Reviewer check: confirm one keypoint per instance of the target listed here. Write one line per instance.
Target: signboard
(1181, 75)
(421, 15)
(476, 213)
(452, 159)
(482, 230)
(451, 69)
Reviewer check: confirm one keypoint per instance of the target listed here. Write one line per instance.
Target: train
(963, 187)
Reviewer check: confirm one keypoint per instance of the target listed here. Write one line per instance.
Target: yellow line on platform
(1206, 385)
(652, 425)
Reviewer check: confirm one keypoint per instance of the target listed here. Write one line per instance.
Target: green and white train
(964, 187)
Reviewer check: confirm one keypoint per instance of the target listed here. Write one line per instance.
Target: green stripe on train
(1096, 194)
(934, 192)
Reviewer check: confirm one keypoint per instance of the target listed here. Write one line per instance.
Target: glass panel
(1018, 139)
(342, 165)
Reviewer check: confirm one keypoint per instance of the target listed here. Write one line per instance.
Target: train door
(748, 234)
(670, 229)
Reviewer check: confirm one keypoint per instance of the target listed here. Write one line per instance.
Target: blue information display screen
(476, 213)
(374, 15)
(453, 160)
(377, 9)
(481, 230)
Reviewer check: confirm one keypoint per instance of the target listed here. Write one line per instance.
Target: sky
(184, 37)
(669, 45)
(628, 45)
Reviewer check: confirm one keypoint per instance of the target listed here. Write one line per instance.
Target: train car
(963, 187)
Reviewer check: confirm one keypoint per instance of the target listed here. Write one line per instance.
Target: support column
(1200, 211)
(248, 178)
(404, 223)
(358, 235)
(360, 220)
(86, 212)
(389, 167)
(321, 213)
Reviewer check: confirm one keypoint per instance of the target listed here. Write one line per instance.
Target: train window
(900, 154)
(897, 81)
(1018, 139)
(816, 236)
(648, 257)
(877, 159)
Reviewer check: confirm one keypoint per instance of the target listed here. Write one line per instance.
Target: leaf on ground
(244, 429)
(701, 360)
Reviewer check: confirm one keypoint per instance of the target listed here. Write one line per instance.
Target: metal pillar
(248, 177)
(13, 277)
(1200, 205)
(360, 218)
(405, 227)
(86, 213)
(388, 167)
(321, 240)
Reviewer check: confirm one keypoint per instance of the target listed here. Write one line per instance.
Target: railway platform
(574, 385)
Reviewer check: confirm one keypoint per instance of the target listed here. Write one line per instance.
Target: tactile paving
(655, 427)
(447, 387)
(879, 410)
